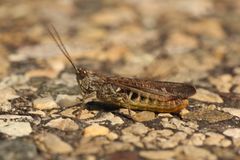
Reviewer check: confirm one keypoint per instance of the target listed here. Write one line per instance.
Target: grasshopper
(130, 93)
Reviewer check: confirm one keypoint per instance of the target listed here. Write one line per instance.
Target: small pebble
(112, 136)
(48, 72)
(232, 132)
(216, 140)
(172, 141)
(15, 129)
(232, 111)
(95, 130)
(223, 83)
(175, 123)
(89, 145)
(236, 142)
(132, 139)
(46, 103)
(63, 124)
(157, 155)
(86, 114)
(144, 116)
(38, 112)
(5, 106)
(192, 152)
(107, 18)
(165, 115)
(125, 111)
(51, 143)
(207, 27)
(90, 157)
(66, 100)
(137, 129)
(69, 112)
(118, 147)
(7, 94)
(178, 43)
(207, 96)
(150, 139)
(237, 89)
(226, 143)
(197, 139)
(208, 114)
(184, 112)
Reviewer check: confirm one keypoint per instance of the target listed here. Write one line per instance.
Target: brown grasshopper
(130, 93)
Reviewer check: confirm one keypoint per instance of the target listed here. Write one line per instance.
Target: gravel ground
(193, 41)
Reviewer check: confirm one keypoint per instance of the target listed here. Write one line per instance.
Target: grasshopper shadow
(100, 106)
(105, 107)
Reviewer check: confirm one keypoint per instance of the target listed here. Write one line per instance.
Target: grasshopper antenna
(56, 37)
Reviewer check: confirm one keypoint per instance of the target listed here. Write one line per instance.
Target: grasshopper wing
(163, 91)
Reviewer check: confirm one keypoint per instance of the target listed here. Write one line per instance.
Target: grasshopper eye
(81, 74)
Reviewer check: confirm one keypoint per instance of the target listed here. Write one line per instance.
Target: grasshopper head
(81, 73)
